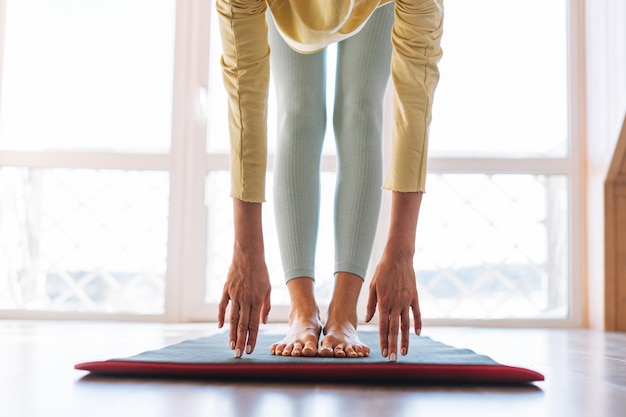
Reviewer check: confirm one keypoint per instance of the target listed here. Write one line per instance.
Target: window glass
(88, 75)
(494, 246)
(83, 240)
(503, 86)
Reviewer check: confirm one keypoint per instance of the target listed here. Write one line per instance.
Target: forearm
(405, 209)
(248, 230)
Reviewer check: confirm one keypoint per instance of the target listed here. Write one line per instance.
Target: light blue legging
(300, 81)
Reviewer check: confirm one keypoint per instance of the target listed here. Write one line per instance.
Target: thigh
(363, 60)
(294, 72)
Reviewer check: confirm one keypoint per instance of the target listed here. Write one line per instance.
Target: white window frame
(183, 162)
(188, 165)
(570, 166)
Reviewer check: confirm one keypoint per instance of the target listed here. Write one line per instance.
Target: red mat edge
(392, 372)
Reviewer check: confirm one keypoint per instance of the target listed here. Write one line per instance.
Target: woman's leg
(301, 107)
(363, 68)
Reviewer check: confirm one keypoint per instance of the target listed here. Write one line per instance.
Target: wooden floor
(585, 376)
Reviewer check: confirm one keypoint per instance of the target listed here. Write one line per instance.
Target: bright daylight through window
(491, 245)
(84, 227)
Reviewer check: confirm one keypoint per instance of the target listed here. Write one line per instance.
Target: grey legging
(361, 80)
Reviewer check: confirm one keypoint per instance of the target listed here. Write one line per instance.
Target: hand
(393, 286)
(247, 284)
(393, 289)
(248, 288)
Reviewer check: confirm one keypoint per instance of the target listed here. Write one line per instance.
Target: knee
(358, 109)
(304, 112)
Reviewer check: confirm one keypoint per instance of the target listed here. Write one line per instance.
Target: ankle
(340, 315)
(303, 304)
(343, 305)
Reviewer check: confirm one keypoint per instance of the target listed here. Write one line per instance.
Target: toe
(351, 353)
(279, 349)
(326, 351)
(366, 351)
(339, 352)
(359, 351)
(297, 349)
(287, 351)
(310, 349)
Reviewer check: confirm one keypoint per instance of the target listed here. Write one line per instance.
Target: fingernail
(238, 353)
(385, 353)
(392, 357)
(249, 349)
(232, 345)
(403, 351)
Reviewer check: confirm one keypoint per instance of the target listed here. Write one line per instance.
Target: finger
(417, 316)
(253, 329)
(383, 331)
(371, 305)
(265, 307)
(405, 327)
(233, 321)
(242, 331)
(221, 309)
(394, 327)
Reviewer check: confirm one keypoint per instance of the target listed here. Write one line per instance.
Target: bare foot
(304, 322)
(342, 341)
(340, 336)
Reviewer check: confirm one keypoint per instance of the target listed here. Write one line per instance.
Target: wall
(605, 79)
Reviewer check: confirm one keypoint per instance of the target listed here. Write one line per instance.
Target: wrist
(405, 209)
(398, 250)
(248, 228)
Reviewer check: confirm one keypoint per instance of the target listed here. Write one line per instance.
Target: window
(495, 235)
(85, 126)
(114, 166)
(494, 238)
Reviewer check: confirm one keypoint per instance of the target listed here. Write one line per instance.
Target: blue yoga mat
(209, 358)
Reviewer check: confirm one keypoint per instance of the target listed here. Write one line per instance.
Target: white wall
(605, 50)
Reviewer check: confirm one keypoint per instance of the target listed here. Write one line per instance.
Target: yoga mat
(210, 358)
